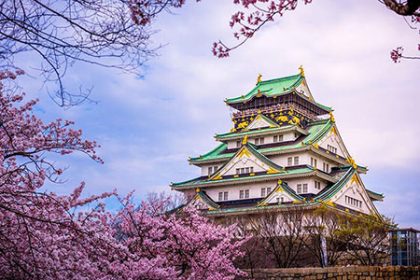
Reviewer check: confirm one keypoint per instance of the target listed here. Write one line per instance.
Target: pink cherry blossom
(48, 236)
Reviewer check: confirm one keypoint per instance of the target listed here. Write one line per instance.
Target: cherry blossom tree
(48, 236)
(182, 245)
(255, 14)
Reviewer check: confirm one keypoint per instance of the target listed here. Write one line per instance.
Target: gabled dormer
(261, 121)
(247, 161)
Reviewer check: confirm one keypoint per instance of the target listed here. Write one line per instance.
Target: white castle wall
(268, 139)
(282, 160)
(304, 159)
(333, 140)
(254, 190)
(356, 191)
(310, 181)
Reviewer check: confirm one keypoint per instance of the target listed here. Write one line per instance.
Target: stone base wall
(338, 273)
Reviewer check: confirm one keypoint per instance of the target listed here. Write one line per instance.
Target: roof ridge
(279, 79)
(262, 157)
(337, 185)
(222, 145)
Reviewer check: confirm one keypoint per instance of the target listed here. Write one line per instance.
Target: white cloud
(148, 127)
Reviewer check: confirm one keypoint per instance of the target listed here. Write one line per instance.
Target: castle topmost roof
(274, 88)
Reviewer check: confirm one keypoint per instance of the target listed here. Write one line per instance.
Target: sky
(148, 126)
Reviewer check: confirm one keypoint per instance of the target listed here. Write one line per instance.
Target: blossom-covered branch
(255, 15)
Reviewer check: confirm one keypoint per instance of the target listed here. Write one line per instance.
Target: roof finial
(301, 71)
(259, 78)
(245, 140)
(332, 117)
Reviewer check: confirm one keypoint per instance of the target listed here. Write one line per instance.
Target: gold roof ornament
(332, 117)
(259, 78)
(245, 140)
(197, 190)
(301, 71)
(352, 162)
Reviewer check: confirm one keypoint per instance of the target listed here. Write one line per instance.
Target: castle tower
(284, 149)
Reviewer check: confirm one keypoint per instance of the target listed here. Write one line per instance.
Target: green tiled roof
(253, 149)
(315, 132)
(287, 189)
(259, 208)
(207, 200)
(274, 87)
(200, 181)
(378, 196)
(216, 151)
(331, 191)
(222, 136)
(269, 88)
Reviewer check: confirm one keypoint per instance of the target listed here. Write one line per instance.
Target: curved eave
(206, 199)
(292, 174)
(215, 151)
(216, 156)
(244, 98)
(248, 148)
(262, 209)
(375, 196)
(283, 187)
(259, 132)
(337, 186)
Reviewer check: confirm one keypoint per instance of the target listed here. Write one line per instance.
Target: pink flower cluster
(396, 54)
(48, 236)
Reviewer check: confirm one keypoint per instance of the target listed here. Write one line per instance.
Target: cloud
(148, 127)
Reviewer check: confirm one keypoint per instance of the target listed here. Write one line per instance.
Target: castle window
(353, 202)
(326, 167)
(245, 170)
(220, 196)
(210, 170)
(332, 149)
(259, 141)
(238, 144)
(281, 199)
(265, 191)
(317, 185)
(243, 194)
(314, 162)
(277, 138)
(296, 160)
(225, 195)
(299, 188)
(305, 188)
(289, 161)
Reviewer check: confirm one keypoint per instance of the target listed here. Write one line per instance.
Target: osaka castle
(284, 149)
